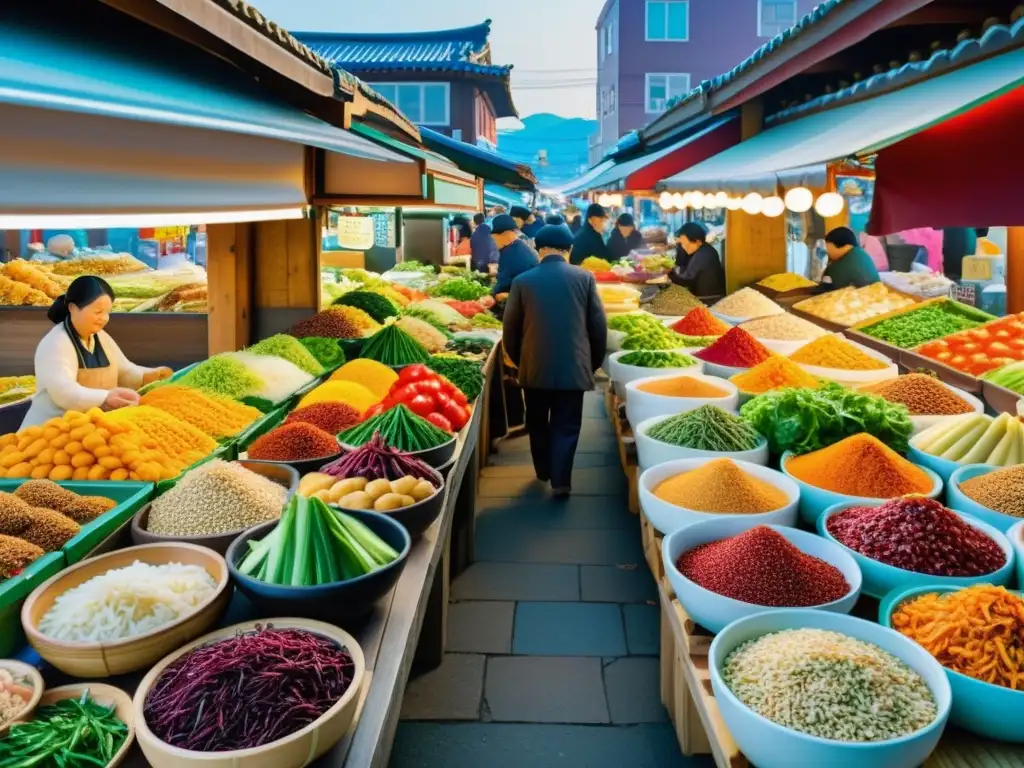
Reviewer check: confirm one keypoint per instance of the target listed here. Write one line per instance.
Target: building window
(668, 20)
(663, 87)
(609, 38)
(422, 103)
(775, 16)
(611, 101)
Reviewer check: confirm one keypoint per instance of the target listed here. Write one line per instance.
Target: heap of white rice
(125, 602)
(281, 377)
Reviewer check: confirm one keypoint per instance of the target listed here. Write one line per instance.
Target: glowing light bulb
(799, 199)
(773, 206)
(752, 203)
(830, 204)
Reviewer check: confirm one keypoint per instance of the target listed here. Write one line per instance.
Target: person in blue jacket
(514, 256)
(483, 250)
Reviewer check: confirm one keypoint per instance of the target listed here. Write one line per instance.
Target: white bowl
(714, 611)
(1016, 537)
(856, 378)
(615, 339)
(651, 452)
(641, 405)
(621, 374)
(668, 518)
(721, 371)
(769, 745)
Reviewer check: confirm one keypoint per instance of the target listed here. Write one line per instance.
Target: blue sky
(552, 43)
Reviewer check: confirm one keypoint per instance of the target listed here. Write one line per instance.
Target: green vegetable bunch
(468, 274)
(401, 429)
(646, 358)
(631, 323)
(805, 420)
(932, 321)
(413, 266)
(223, 376)
(429, 317)
(291, 349)
(484, 320)
(707, 428)
(471, 346)
(327, 351)
(393, 346)
(460, 289)
(380, 308)
(464, 374)
(651, 338)
(1010, 376)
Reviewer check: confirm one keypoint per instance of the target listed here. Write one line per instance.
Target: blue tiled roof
(479, 161)
(996, 38)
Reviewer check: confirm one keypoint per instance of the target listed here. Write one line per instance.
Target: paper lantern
(752, 203)
(697, 200)
(665, 200)
(721, 199)
(679, 200)
(830, 204)
(773, 206)
(799, 199)
(711, 201)
(734, 203)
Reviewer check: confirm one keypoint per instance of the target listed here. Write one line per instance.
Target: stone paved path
(553, 633)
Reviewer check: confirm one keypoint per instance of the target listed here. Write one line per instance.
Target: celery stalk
(1014, 431)
(987, 443)
(952, 434)
(963, 444)
(999, 456)
(363, 561)
(299, 576)
(379, 549)
(277, 551)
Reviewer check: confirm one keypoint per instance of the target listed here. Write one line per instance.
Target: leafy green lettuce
(805, 420)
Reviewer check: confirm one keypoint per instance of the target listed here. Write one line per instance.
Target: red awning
(964, 172)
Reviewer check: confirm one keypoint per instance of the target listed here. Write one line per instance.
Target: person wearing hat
(625, 238)
(525, 221)
(514, 255)
(555, 331)
(848, 263)
(554, 218)
(698, 266)
(483, 249)
(590, 239)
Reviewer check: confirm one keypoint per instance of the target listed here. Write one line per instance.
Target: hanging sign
(355, 233)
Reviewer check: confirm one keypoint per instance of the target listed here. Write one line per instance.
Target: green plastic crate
(13, 593)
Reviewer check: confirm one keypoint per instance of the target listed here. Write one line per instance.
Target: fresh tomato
(970, 348)
(415, 372)
(440, 421)
(460, 398)
(943, 357)
(421, 406)
(980, 334)
(427, 386)
(456, 414)
(402, 394)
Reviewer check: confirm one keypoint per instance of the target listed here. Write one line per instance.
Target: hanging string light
(799, 199)
(752, 203)
(773, 206)
(829, 204)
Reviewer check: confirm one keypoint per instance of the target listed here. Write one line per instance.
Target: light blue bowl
(881, 579)
(769, 745)
(814, 501)
(1016, 537)
(991, 711)
(940, 466)
(961, 501)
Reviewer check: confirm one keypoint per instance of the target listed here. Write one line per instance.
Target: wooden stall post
(1014, 269)
(229, 273)
(755, 247)
(286, 274)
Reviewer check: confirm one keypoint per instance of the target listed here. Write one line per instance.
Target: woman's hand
(157, 374)
(120, 397)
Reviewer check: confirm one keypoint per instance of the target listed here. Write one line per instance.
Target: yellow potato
(403, 485)
(62, 458)
(37, 447)
(117, 474)
(74, 447)
(20, 470)
(408, 501)
(11, 459)
(377, 488)
(347, 486)
(60, 442)
(110, 462)
(81, 473)
(422, 490)
(83, 459)
(41, 471)
(315, 482)
(357, 500)
(388, 502)
(98, 472)
(58, 474)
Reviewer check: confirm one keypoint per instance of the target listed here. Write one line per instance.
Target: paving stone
(596, 436)
(584, 547)
(450, 692)
(611, 584)
(513, 515)
(583, 460)
(643, 629)
(544, 690)
(569, 629)
(506, 745)
(634, 694)
(480, 627)
(592, 481)
(514, 581)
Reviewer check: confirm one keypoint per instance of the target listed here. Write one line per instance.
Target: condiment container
(714, 611)
(990, 711)
(881, 578)
(770, 745)
(105, 696)
(944, 468)
(651, 452)
(621, 374)
(21, 670)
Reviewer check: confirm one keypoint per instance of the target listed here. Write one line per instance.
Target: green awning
(432, 160)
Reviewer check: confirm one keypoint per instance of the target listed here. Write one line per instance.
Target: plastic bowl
(651, 452)
(944, 468)
(769, 745)
(921, 423)
(339, 601)
(1016, 538)
(880, 579)
(814, 501)
(621, 374)
(987, 710)
(641, 405)
(668, 518)
(959, 500)
(713, 611)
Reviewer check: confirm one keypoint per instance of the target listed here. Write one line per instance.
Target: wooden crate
(652, 548)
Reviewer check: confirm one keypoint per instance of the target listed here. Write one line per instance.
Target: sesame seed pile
(829, 685)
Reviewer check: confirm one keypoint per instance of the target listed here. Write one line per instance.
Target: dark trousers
(553, 420)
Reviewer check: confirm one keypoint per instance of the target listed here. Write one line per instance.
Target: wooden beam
(1014, 269)
(229, 274)
(751, 118)
(287, 264)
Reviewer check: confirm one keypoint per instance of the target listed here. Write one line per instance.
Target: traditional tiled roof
(252, 16)
(781, 40)
(995, 39)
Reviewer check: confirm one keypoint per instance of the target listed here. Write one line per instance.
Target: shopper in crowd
(554, 219)
(625, 238)
(555, 332)
(958, 242)
(848, 263)
(463, 247)
(698, 266)
(514, 256)
(590, 239)
(78, 365)
(575, 221)
(525, 221)
(483, 249)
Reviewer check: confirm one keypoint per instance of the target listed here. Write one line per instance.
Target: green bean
(707, 428)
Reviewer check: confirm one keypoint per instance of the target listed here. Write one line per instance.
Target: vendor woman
(848, 263)
(78, 365)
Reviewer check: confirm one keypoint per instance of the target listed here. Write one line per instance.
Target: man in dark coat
(590, 239)
(625, 238)
(483, 249)
(698, 266)
(514, 255)
(555, 332)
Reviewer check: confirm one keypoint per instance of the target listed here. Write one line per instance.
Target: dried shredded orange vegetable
(977, 631)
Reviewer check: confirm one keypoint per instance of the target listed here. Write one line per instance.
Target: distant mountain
(565, 140)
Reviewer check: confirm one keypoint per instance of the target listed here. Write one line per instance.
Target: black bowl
(419, 516)
(305, 466)
(341, 600)
(437, 456)
(446, 468)
(219, 542)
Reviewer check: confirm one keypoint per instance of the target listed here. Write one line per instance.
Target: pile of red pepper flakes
(429, 395)
(466, 308)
